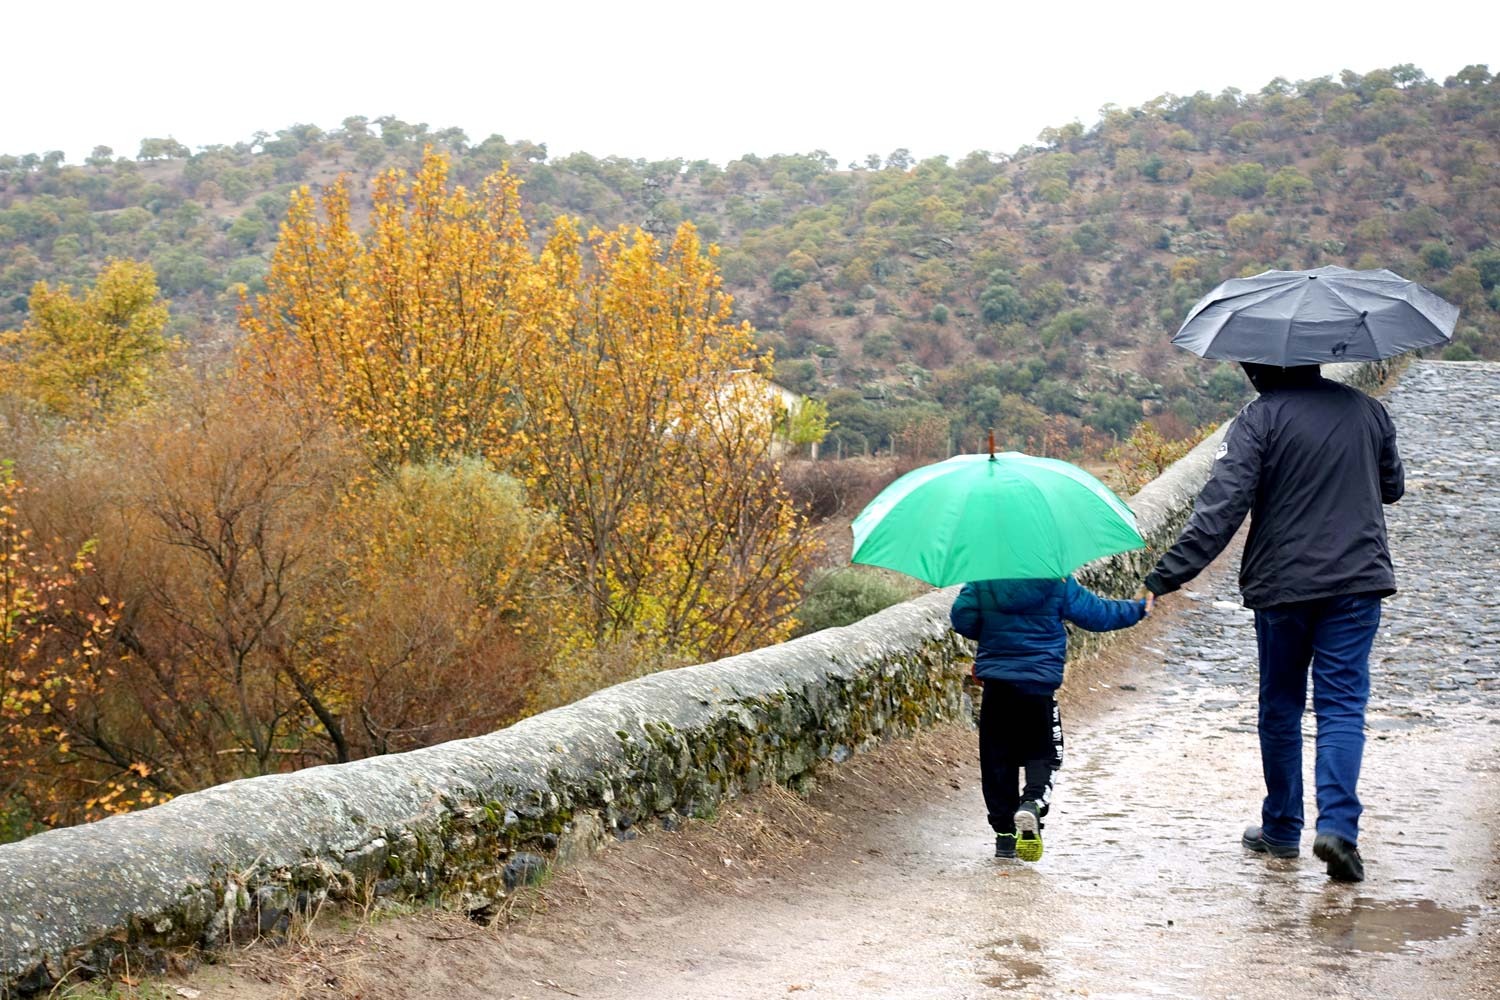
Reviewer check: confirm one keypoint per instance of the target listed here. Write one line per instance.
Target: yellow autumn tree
(650, 428)
(604, 372)
(1146, 454)
(90, 352)
(411, 332)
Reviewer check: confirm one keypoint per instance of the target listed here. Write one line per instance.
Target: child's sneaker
(1005, 845)
(1028, 832)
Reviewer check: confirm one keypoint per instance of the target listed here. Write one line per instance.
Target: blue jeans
(1334, 634)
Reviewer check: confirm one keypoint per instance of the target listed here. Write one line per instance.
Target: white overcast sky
(665, 78)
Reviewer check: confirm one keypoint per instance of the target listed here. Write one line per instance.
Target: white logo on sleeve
(1223, 450)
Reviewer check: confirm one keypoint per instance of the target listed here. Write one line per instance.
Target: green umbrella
(986, 517)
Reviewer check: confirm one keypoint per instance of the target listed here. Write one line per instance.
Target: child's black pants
(1018, 733)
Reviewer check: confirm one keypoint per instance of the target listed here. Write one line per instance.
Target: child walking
(1018, 625)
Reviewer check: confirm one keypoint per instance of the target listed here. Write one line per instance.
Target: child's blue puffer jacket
(1019, 626)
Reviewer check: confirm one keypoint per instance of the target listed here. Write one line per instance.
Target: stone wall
(467, 821)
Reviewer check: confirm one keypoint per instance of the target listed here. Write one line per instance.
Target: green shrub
(1436, 255)
(16, 821)
(845, 595)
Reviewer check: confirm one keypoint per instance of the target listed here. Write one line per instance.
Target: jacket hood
(1019, 596)
(1266, 378)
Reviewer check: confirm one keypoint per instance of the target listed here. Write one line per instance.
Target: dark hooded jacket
(1311, 461)
(1019, 626)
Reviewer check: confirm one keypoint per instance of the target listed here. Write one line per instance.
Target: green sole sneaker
(1028, 836)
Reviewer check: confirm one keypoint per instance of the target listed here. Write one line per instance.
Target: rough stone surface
(524, 869)
(452, 820)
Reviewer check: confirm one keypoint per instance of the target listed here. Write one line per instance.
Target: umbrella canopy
(1316, 317)
(986, 517)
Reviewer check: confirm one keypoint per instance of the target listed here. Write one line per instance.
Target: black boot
(1344, 862)
(1254, 840)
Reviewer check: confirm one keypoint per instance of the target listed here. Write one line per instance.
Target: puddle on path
(1377, 925)
(1015, 971)
(1023, 941)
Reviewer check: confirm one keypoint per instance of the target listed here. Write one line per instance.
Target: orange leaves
(650, 441)
(564, 450)
(1146, 454)
(49, 654)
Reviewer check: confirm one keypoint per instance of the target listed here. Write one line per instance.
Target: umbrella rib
(1022, 518)
(1291, 321)
(1363, 320)
(1267, 294)
(1088, 482)
(1054, 537)
(960, 517)
(1228, 302)
(1212, 301)
(1246, 313)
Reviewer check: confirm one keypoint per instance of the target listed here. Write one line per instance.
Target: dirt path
(880, 883)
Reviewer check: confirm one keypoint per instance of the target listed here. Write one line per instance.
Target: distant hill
(924, 301)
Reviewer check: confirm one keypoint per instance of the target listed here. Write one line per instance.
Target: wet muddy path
(1144, 890)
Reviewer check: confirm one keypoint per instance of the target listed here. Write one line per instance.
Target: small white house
(786, 401)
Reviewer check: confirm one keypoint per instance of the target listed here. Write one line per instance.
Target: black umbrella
(1316, 317)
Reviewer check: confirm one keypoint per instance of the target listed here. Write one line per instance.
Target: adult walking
(1312, 462)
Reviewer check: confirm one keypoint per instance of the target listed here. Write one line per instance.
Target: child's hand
(1150, 601)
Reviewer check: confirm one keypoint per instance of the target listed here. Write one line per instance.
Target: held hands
(1148, 597)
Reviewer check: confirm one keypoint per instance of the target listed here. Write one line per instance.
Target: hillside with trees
(1033, 292)
(331, 444)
